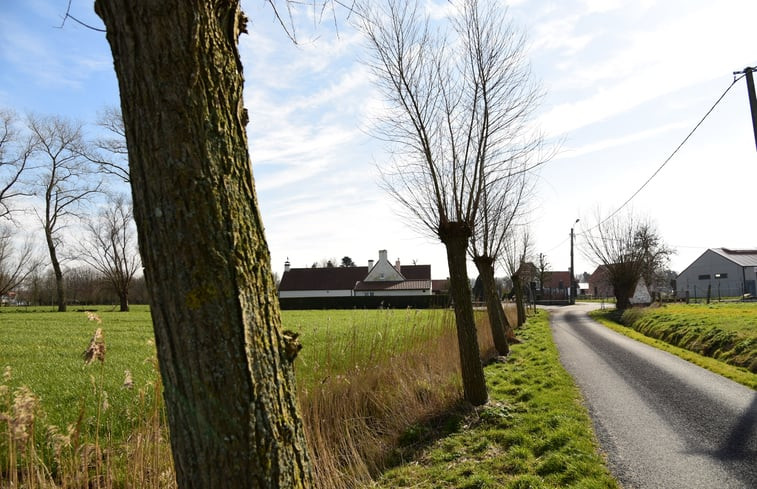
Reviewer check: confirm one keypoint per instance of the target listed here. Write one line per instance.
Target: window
(721, 275)
(704, 277)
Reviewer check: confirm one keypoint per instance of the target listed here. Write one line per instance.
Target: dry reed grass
(37, 455)
(354, 418)
(354, 421)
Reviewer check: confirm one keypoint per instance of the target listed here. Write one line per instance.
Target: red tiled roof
(416, 272)
(404, 285)
(342, 278)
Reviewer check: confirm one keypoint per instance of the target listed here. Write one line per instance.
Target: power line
(722, 96)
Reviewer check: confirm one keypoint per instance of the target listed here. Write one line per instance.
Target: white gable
(383, 271)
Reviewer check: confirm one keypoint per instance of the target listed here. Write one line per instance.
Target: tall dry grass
(353, 417)
(354, 421)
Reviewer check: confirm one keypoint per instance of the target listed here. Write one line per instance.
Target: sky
(625, 82)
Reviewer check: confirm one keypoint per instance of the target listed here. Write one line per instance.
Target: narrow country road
(664, 423)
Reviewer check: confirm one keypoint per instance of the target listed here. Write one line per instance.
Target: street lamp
(572, 274)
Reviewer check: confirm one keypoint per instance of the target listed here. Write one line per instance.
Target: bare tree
(17, 264)
(110, 152)
(542, 270)
(226, 364)
(503, 99)
(630, 248)
(456, 100)
(65, 182)
(110, 246)
(517, 248)
(14, 159)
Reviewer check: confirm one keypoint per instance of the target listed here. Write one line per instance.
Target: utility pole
(747, 72)
(572, 273)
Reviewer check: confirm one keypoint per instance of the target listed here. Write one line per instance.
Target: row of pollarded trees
(459, 101)
(458, 118)
(50, 171)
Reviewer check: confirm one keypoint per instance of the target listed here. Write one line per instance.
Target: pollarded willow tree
(629, 248)
(516, 252)
(495, 51)
(455, 97)
(503, 207)
(225, 362)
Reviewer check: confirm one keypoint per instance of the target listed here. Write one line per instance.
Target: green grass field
(534, 432)
(335, 341)
(44, 351)
(725, 331)
(740, 317)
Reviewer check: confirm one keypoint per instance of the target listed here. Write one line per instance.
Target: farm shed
(725, 272)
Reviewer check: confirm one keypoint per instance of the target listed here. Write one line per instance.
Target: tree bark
(225, 363)
(455, 237)
(497, 319)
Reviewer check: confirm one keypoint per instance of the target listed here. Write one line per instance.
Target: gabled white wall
(383, 271)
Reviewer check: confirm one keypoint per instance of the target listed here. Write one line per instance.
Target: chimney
(397, 265)
(383, 255)
(370, 264)
(286, 265)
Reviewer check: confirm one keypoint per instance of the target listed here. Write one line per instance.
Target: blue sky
(625, 82)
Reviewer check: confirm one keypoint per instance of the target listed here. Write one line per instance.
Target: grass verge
(737, 374)
(533, 433)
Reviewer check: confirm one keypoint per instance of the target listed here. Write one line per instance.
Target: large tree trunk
(455, 238)
(497, 319)
(623, 277)
(60, 288)
(623, 292)
(225, 363)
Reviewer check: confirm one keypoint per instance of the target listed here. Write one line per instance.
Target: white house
(379, 279)
(725, 272)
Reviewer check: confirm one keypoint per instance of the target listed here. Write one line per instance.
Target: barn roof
(743, 258)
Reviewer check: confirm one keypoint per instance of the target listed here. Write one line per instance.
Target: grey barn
(725, 272)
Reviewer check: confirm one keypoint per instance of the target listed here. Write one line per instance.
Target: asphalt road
(663, 423)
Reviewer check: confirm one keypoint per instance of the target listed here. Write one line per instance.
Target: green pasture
(725, 331)
(44, 352)
(335, 341)
(739, 317)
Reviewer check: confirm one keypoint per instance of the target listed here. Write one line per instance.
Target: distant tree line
(67, 235)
